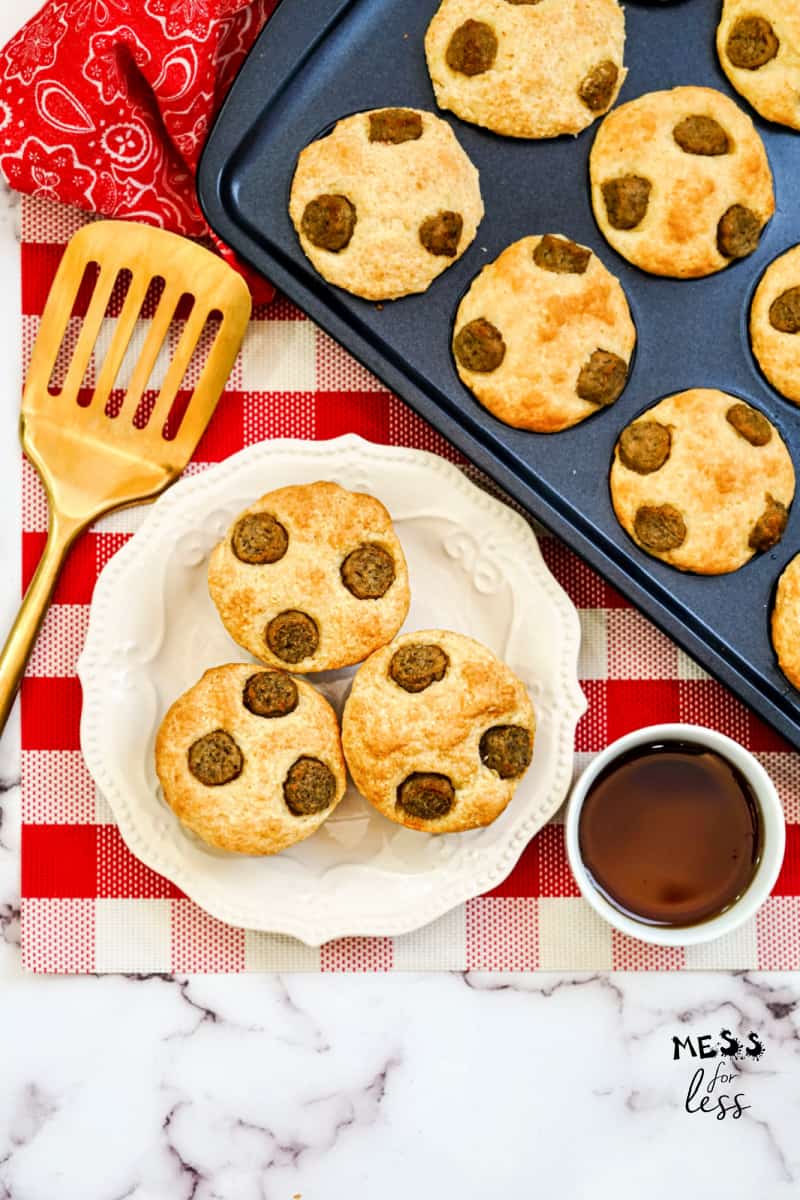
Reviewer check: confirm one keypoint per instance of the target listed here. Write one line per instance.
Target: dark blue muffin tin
(318, 60)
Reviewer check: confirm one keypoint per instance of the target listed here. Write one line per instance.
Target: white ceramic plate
(474, 566)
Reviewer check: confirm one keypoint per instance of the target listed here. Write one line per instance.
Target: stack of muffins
(436, 732)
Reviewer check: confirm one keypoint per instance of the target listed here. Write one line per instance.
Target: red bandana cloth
(106, 104)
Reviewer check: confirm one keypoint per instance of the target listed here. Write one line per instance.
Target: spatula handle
(22, 637)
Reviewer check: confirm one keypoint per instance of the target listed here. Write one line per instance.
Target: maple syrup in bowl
(675, 834)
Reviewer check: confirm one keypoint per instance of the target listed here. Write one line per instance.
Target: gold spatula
(91, 462)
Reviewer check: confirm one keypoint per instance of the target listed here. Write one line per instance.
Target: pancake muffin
(681, 184)
(703, 481)
(527, 68)
(386, 202)
(775, 324)
(437, 732)
(786, 622)
(544, 337)
(758, 42)
(311, 577)
(250, 759)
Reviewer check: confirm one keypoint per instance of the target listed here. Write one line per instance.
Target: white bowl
(773, 829)
(474, 566)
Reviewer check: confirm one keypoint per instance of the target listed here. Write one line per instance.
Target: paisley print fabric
(106, 104)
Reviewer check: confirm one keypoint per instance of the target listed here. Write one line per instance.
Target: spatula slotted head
(94, 455)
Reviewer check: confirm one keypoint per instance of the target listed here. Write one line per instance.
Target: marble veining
(329, 1087)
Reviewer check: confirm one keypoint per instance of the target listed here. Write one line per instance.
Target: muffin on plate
(437, 732)
(681, 183)
(758, 42)
(544, 337)
(703, 481)
(385, 202)
(527, 69)
(311, 577)
(250, 759)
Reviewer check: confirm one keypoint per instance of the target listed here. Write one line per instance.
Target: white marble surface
(267, 1087)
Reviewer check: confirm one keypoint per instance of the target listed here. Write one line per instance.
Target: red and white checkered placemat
(88, 905)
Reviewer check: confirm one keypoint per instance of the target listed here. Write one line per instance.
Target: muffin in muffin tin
(703, 481)
(527, 69)
(544, 337)
(680, 182)
(385, 202)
